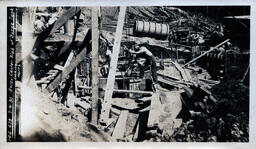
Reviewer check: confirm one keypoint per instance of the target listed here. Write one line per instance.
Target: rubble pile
(227, 121)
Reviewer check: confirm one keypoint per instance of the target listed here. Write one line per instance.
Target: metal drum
(151, 29)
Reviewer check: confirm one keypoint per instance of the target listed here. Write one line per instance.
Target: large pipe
(151, 29)
(193, 60)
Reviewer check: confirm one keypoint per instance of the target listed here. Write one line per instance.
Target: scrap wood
(132, 91)
(171, 83)
(182, 71)
(209, 94)
(120, 126)
(210, 81)
(189, 92)
(65, 73)
(167, 76)
(153, 118)
(83, 104)
(74, 63)
(64, 18)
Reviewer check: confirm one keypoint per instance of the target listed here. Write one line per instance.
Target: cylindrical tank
(151, 29)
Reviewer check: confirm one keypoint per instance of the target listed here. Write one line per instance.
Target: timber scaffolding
(151, 108)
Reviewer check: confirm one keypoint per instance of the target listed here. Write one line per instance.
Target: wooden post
(113, 64)
(95, 60)
(120, 126)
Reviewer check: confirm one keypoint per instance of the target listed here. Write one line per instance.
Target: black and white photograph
(162, 73)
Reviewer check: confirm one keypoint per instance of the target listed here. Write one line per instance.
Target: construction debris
(86, 64)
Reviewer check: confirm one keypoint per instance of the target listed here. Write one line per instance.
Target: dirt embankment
(44, 120)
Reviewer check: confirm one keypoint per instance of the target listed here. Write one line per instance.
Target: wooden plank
(188, 74)
(132, 91)
(121, 91)
(167, 76)
(84, 87)
(171, 83)
(83, 104)
(64, 18)
(181, 70)
(113, 65)
(189, 92)
(125, 103)
(210, 81)
(120, 127)
(95, 63)
(153, 118)
(58, 67)
(68, 61)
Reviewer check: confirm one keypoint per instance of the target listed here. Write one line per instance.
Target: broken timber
(64, 74)
(64, 18)
(113, 65)
(182, 72)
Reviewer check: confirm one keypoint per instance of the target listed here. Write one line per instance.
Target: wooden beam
(58, 67)
(120, 127)
(210, 81)
(113, 65)
(95, 63)
(182, 72)
(171, 82)
(70, 57)
(67, 70)
(64, 18)
(132, 91)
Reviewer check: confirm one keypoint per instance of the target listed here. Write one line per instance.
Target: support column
(95, 61)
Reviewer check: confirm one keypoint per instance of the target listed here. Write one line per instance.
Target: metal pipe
(193, 60)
